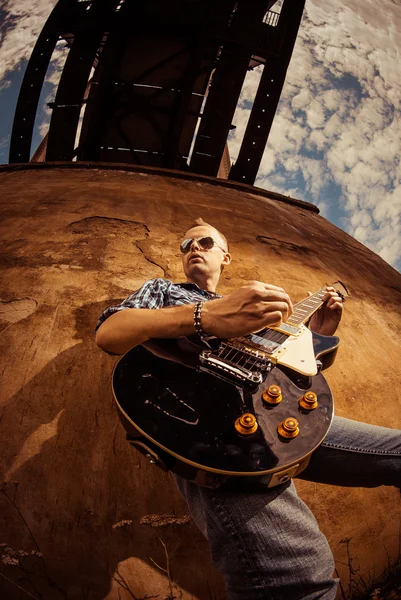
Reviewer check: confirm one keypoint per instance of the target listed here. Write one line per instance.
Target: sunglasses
(206, 243)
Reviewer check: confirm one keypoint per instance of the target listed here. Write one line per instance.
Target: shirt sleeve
(151, 295)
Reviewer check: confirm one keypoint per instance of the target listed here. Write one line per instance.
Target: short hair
(200, 222)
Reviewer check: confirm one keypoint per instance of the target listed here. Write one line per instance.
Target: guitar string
(250, 361)
(272, 335)
(316, 296)
(278, 337)
(238, 353)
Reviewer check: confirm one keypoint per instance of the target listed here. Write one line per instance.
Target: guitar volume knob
(308, 401)
(272, 395)
(246, 424)
(289, 428)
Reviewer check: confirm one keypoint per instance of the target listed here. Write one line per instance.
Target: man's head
(199, 262)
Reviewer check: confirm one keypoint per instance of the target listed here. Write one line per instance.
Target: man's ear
(226, 259)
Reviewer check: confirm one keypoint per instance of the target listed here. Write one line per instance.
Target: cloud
(337, 130)
(20, 28)
(4, 141)
(6, 83)
(23, 21)
(301, 100)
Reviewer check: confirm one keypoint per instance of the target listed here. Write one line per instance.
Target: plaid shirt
(158, 293)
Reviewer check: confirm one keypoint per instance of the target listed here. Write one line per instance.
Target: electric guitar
(249, 408)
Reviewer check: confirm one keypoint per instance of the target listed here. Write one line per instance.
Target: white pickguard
(297, 353)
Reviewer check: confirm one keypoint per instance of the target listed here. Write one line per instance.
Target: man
(265, 541)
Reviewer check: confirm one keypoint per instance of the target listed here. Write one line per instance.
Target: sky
(336, 136)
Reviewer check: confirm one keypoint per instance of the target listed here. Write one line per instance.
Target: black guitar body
(184, 420)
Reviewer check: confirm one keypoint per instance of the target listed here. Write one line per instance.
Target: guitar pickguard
(294, 351)
(297, 353)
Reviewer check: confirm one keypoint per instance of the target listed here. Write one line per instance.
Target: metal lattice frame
(166, 83)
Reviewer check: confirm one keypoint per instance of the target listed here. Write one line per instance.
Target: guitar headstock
(341, 289)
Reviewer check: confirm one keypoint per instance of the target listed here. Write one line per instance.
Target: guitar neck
(306, 308)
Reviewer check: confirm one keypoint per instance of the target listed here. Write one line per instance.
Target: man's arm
(248, 309)
(127, 328)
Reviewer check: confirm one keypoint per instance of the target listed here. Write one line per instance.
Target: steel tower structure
(159, 81)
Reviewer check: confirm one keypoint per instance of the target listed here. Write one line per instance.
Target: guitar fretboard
(306, 308)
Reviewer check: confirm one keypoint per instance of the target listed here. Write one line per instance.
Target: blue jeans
(266, 541)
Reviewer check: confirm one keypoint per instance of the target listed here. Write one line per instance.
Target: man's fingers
(334, 298)
(336, 306)
(274, 318)
(280, 302)
(277, 308)
(332, 294)
(276, 296)
(270, 286)
(335, 302)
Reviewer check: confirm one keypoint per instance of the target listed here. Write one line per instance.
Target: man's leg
(358, 455)
(266, 543)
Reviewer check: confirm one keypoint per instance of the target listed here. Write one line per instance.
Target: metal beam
(226, 87)
(89, 31)
(265, 104)
(60, 19)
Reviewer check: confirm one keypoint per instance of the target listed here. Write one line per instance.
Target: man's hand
(249, 309)
(326, 320)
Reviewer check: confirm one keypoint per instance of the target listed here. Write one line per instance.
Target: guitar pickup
(225, 370)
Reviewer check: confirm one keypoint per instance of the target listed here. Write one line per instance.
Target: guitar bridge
(218, 366)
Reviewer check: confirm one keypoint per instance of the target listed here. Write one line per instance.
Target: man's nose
(195, 246)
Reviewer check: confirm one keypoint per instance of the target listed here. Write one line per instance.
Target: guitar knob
(289, 428)
(272, 395)
(308, 401)
(246, 424)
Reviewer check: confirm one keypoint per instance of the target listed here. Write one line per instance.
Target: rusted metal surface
(75, 240)
(175, 174)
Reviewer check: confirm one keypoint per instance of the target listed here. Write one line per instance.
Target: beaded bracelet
(198, 322)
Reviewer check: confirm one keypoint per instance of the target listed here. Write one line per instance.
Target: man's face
(200, 262)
